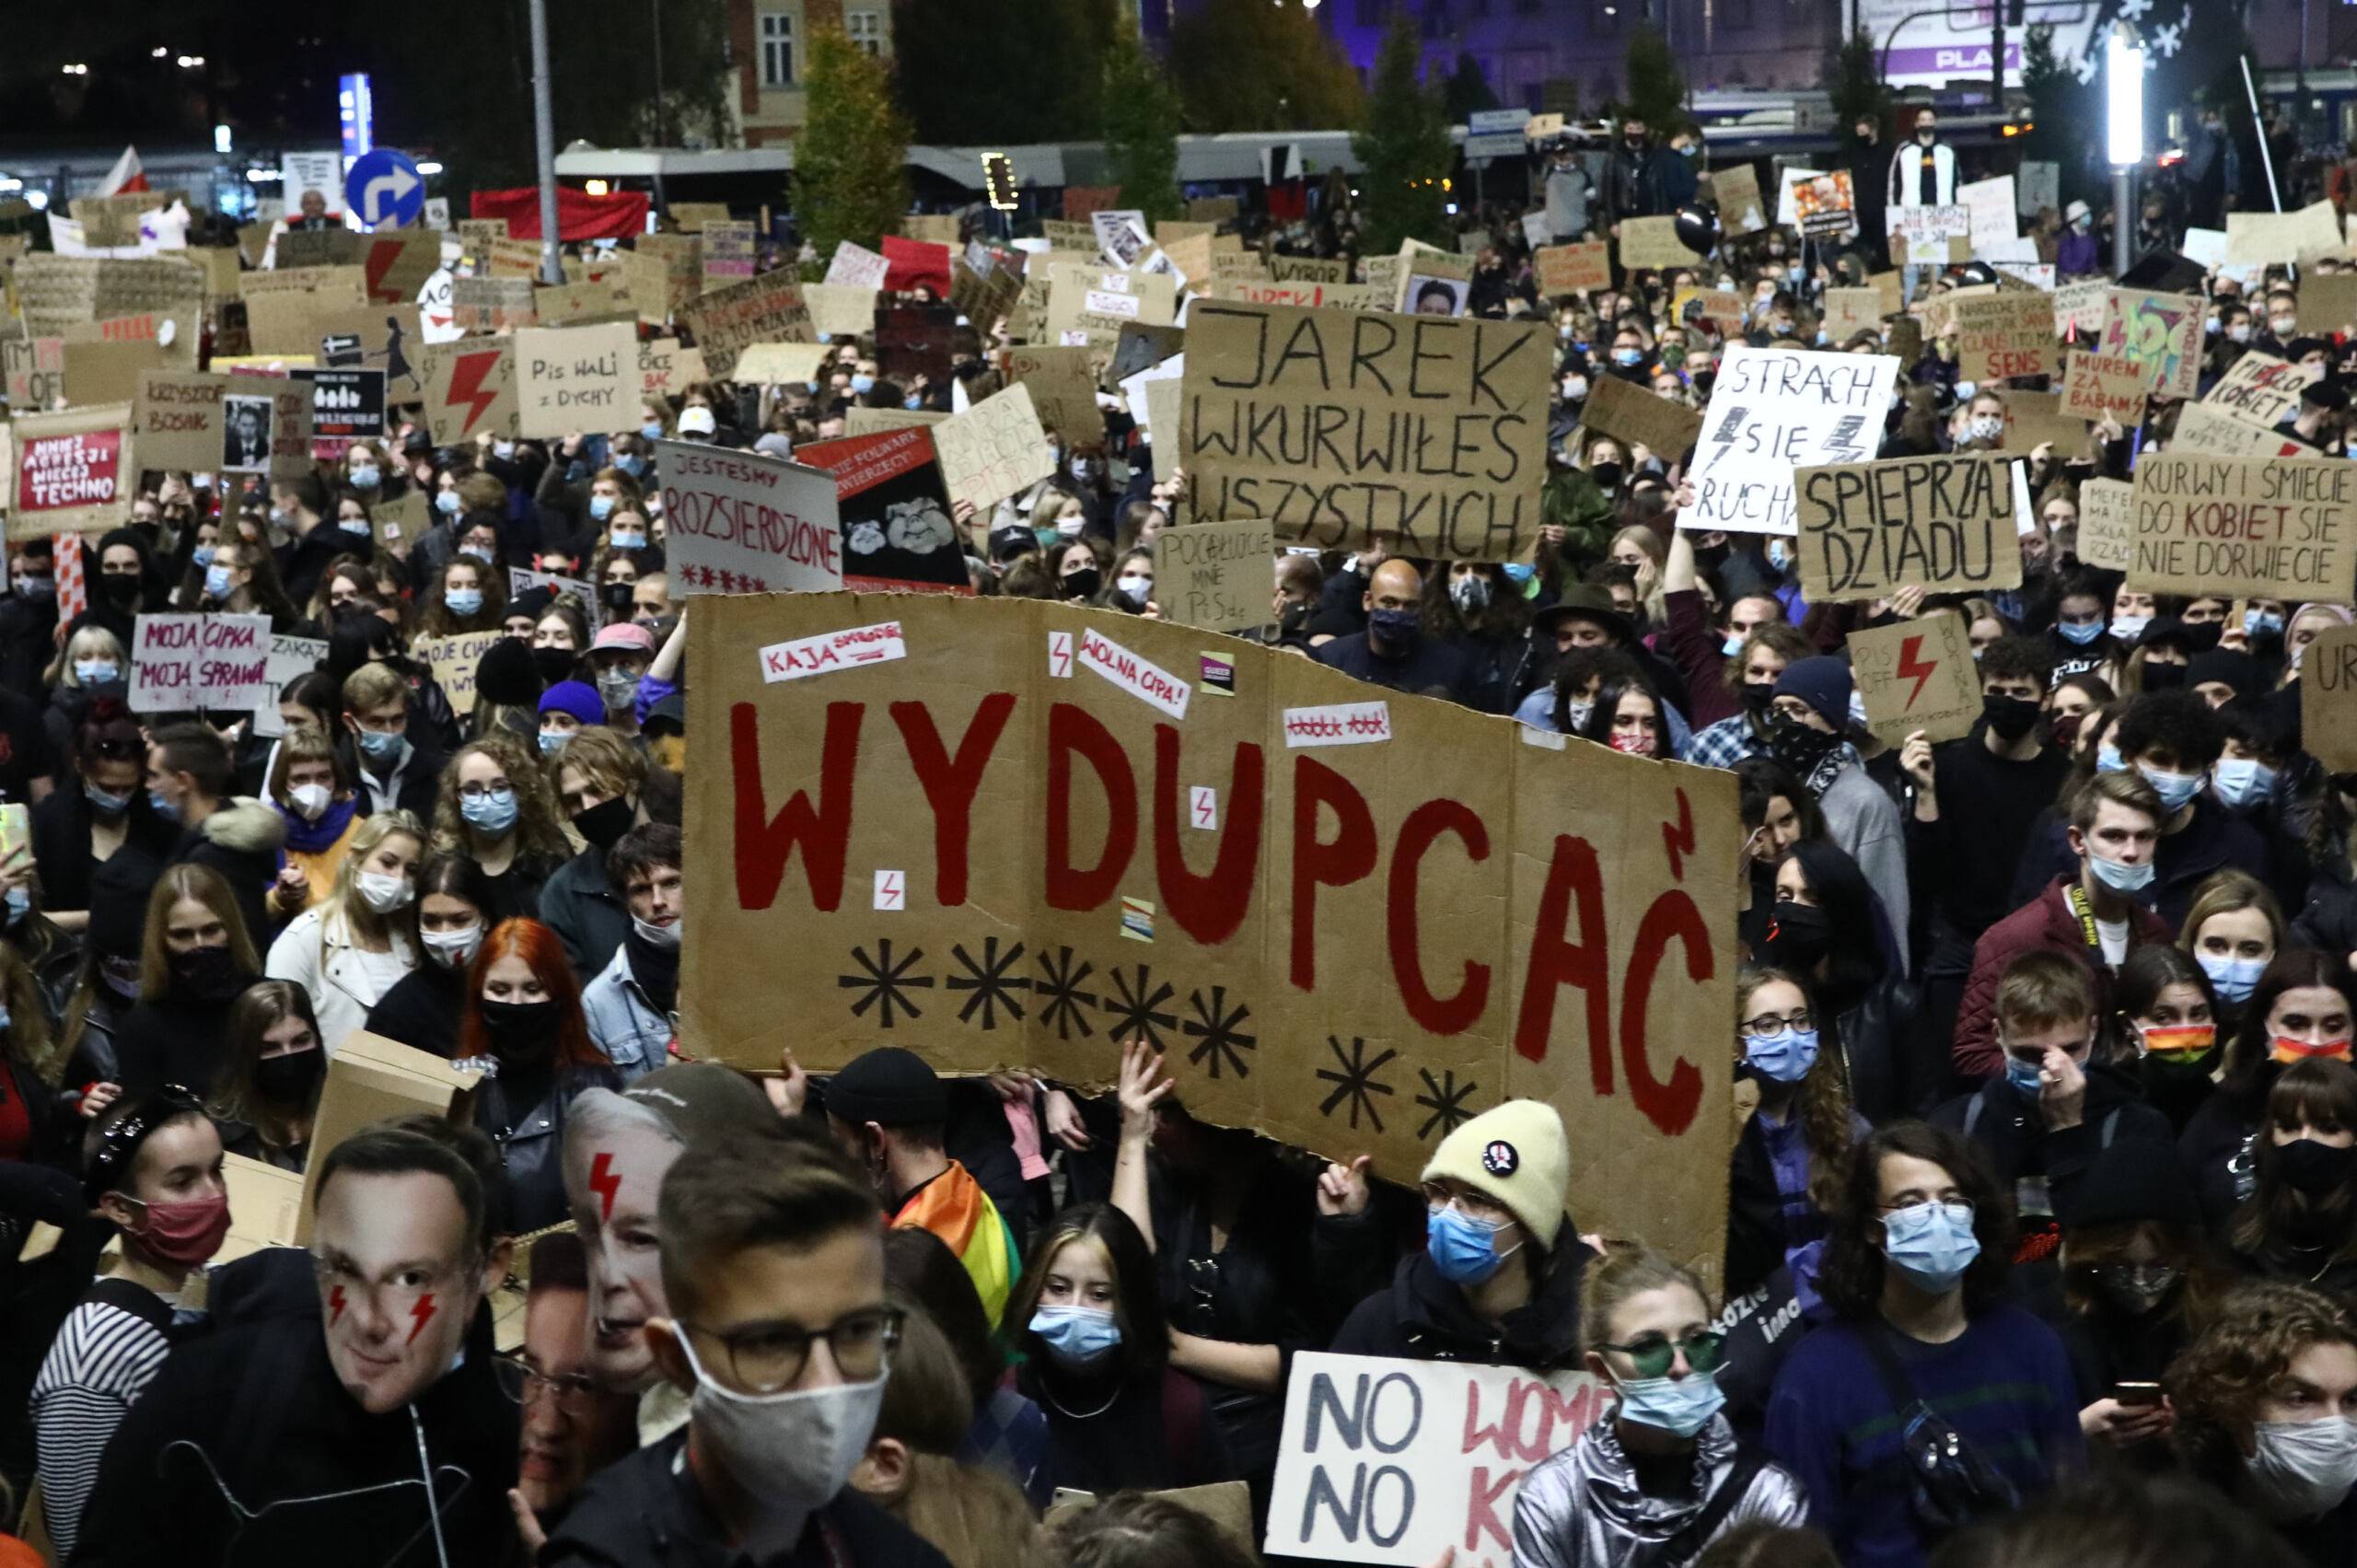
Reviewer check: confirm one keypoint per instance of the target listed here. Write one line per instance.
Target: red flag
(126, 177)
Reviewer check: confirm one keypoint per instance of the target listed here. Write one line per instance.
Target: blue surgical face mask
(630, 463)
(365, 477)
(462, 601)
(1520, 573)
(1932, 1244)
(1680, 1406)
(862, 385)
(1733, 646)
(552, 741)
(2233, 979)
(2242, 780)
(1463, 1248)
(601, 506)
(2079, 633)
(20, 904)
(203, 554)
(1780, 554)
(2175, 789)
(2262, 624)
(494, 812)
(103, 802)
(2022, 1076)
(1785, 1057)
(1628, 357)
(627, 539)
(216, 582)
(1077, 1336)
(380, 746)
(652, 430)
(2118, 876)
(446, 503)
(96, 671)
(356, 526)
(2109, 760)
(164, 806)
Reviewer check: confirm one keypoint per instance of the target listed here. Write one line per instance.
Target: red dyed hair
(539, 948)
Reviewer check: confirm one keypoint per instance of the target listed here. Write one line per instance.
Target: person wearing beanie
(1808, 721)
(2323, 402)
(507, 689)
(888, 1110)
(2140, 1279)
(1498, 1281)
(2221, 675)
(566, 707)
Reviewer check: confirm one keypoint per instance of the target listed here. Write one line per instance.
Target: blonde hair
(1629, 1270)
(373, 685)
(305, 745)
(344, 903)
(202, 885)
(93, 641)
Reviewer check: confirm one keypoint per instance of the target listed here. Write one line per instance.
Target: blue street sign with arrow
(384, 189)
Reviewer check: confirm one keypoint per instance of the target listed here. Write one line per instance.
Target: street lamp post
(544, 137)
(2124, 104)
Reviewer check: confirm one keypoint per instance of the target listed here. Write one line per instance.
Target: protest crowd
(386, 1179)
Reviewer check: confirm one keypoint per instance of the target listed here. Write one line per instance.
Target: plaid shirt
(1726, 743)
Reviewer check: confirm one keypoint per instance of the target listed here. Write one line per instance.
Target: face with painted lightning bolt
(399, 1279)
(611, 1181)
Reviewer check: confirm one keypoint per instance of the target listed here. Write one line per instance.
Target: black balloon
(1698, 227)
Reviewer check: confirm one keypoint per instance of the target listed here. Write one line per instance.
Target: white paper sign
(301, 172)
(1775, 409)
(858, 265)
(1990, 203)
(1396, 1461)
(1142, 679)
(1338, 724)
(200, 661)
(741, 523)
(289, 656)
(831, 651)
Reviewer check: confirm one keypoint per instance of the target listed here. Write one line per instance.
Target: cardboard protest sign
(858, 421)
(1560, 927)
(1849, 311)
(1721, 310)
(1214, 576)
(1143, 347)
(1772, 409)
(2283, 528)
(1635, 413)
(1990, 204)
(55, 293)
(1089, 306)
(1736, 190)
(895, 510)
(1916, 675)
(2033, 419)
(774, 364)
(1399, 1461)
(1942, 523)
(2261, 388)
(2328, 302)
(346, 405)
(284, 310)
(513, 259)
(318, 248)
(174, 333)
(857, 266)
(695, 217)
(453, 659)
(2329, 700)
(665, 369)
(840, 309)
(1121, 234)
(1923, 233)
(72, 471)
(2095, 386)
(470, 388)
(220, 662)
(475, 235)
(1064, 392)
(727, 252)
(916, 340)
(993, 449)
(1653, 243)
(490, 304)
(580, 304)
(571, 378)
(682, 259)
(1346, 429)
(2107, 524)
(1306, 269)
(1574, 268)
(102, 372)
(1308, 295)
(371, 1079)
(396, 262)
(2160, 335)
(767, 310)
(402, 520)
(34, 370)
(2261, 237)
(2002, 335)
(929, 229)
(739, 522)
(2205, 428)
(175, 419)
(521, 581)
(640, 281)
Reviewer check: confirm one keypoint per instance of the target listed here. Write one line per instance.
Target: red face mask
(187, 1232)
(1635, 745)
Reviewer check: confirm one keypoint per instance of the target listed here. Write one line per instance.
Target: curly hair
(540, 825)
(1825, 1092)
(2219, 1382)
(1851, 1280)
(440, 620)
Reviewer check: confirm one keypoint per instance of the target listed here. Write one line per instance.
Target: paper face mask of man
(399, 1280)
(613, 1174)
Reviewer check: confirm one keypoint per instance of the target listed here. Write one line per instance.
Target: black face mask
(1798, 936)
(1797, 745)
(2203, 637)
(122, 588)
(523, 1033)
(552, 665)
(1082, 583)
(2010, 717)
(615, 597)
(287, 1080)
(2164, 677)
(2308, 1166)
(206, 974)
(1757, 694)
(1926, 135)
(1607, 476)
(603, 825)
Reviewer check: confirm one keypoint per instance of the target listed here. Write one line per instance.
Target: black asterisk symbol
(990, 980)
(1446, 1100)
(1133, 1010)
(885, 983)
(1356, 1081)
(1220, 1028)
(1062, 1001)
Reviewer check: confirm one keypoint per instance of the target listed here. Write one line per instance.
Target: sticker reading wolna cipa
(1338, 724)
(1137, 920)
(831, 651)
(1147, 681)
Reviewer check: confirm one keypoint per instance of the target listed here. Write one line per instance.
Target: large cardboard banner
(220, 662)
(2211, 431)
(570, 378)
(71, 472)
(742, 523)
(1641, 416)
(1773, 409)
(2329, 700)
(2160, 334)
(1397, 1462)
(1425, 434)
(470, 388)
(1944, 524)
(1916, 675)
(759, 310)
(1353, 919)
(2283, 528)
(1574, 268)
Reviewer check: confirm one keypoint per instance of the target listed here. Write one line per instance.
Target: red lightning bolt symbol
(424, 1313)
(466, 386)
(1910, 665)
(1203, 809)
(604, 1181)
(335, 1302)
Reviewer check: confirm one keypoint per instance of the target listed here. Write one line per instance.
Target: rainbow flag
(955, 1208)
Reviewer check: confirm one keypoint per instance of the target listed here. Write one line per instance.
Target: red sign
(57, 473)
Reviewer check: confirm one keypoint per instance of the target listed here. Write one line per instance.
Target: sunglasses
(1656, 1353)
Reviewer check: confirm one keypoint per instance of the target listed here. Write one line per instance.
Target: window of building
(866, 29)
(777, 50)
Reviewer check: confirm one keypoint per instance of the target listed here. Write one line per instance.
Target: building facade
(768, 46)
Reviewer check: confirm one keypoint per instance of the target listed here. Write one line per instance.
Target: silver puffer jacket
(1583, 1508)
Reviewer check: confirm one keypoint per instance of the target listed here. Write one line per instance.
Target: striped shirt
(102, 1360)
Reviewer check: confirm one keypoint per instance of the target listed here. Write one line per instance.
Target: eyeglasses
(766, 1358)
(119, 1142)
(1948, 1200)
(483, 791)
(1767, 1023)
(523, 1384)
(1473, 1205)
(1656, 1353)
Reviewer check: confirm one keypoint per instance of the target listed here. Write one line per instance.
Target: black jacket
(257, 1411)
(1421, 1316)
(421, 1009)
(645, 1512)
(1432, 666)
(582, 905)
(528, 1123)
(242, 842)
(2008, 1126)
(174, 1040)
